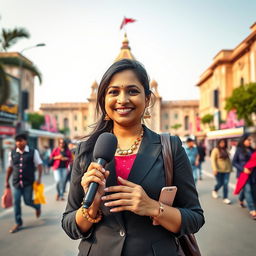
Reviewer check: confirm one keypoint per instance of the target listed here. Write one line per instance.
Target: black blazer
(126, 233)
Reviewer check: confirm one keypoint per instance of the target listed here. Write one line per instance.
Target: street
(228, 231)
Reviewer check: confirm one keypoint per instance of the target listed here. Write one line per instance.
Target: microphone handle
(93, 187)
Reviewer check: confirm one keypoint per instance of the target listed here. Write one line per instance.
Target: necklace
(130, 150)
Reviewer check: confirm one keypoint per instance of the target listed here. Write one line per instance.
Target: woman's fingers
(116, 196)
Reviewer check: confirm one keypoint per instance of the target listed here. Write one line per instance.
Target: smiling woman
(119, 221)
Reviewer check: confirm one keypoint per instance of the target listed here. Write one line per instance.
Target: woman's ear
(147, 101)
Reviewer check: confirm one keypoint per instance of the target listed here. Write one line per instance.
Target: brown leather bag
(187, 243)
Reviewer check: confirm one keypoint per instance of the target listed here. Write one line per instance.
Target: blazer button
(122, 233)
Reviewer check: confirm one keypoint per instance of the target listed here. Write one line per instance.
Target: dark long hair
(107, 125)
(223, 153)
(241, 145)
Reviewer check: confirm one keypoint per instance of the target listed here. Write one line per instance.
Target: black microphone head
(105, 147)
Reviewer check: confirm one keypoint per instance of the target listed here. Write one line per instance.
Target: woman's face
(222, 144)
(125, 99)
(61, 143)
(248, 142)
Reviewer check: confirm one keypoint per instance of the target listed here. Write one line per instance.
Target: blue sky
(175, 40)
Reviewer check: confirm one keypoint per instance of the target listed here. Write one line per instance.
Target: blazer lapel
(148, 153)
(112, 181)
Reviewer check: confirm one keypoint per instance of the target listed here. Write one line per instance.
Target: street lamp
(21, 110)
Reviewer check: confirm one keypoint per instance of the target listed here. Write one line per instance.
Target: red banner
(125, 21)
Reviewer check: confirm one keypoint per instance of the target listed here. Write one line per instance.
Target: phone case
(167, 195)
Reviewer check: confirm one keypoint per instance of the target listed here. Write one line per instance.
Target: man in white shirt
(23, 161)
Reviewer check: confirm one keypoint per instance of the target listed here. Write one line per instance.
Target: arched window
(186, 122)
(66, 123)
(241, 81)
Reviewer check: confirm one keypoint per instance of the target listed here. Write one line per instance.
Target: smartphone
(167, 195)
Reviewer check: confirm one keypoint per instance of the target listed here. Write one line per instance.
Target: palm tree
(11, 36)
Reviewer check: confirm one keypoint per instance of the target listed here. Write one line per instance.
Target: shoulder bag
(187, 243)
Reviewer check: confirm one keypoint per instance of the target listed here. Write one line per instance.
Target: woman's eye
(113, 92)
(133, 91)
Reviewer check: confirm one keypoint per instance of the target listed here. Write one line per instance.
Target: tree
(208, 119)
(9, 37)
(176, 126)
(36, 120)
(243, 100)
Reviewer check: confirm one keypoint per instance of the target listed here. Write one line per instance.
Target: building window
(66, 124)
(75, 117)
(186, 122)
(242, 81)
(176, 116)
(85, 117)
(75, 128)
(216, 98)
(166, 127)
(166, 116)
(56, 117)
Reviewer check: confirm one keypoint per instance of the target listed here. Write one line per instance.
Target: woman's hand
(215, 172)
(247, 171)
(130, 197)
(95, 173)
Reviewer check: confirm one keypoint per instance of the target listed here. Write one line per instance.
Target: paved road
(228, 231)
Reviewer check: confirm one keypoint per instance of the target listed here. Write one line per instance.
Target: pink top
(124, 165)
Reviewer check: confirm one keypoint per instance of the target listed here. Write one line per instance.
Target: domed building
(176, 117)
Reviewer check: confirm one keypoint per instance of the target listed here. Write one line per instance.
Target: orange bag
(39, 197)
(7, 198)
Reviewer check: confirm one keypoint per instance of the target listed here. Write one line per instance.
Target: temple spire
(125, 52)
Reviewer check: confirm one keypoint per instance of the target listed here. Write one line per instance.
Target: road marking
(9, 210)
(231, 185)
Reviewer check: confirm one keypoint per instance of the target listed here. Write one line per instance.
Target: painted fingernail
(105, 189)
(103, 198)
(106, 204)
(103, 170)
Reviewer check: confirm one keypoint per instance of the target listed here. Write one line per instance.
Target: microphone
(103, 153)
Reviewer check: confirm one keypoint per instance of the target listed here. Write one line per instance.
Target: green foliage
(14, 61)
(176, 126)
(65, 131)
(36, 120)
(9, 37)
(243, 100)
(207, 119)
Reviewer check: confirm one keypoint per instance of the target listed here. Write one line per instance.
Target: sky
(175, 40)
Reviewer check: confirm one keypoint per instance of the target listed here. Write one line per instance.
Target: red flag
(125, 21)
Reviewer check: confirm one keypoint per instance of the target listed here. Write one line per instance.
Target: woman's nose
(122, 98)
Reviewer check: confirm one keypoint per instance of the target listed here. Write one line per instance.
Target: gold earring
(146, 114)
(107, 118)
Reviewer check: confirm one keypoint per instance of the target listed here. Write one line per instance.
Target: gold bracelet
(86, 215)
(161, 210)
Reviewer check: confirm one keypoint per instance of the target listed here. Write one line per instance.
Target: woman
(241, 157)
(119, 222)
(222, 168)
(62, 157)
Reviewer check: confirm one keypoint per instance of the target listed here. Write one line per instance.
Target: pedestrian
(72, 148)
(119, 222)
(46, 157)
(202, 153)
(242, 155)
(23, 161)
(222, 168)
(61, 158)
(193, 157)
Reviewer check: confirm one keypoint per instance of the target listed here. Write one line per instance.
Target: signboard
(9, 109)
(7, 130)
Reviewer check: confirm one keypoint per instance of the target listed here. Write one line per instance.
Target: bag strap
(167, 157)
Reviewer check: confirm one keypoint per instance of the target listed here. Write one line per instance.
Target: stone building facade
(229, 70)
(164, 114)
